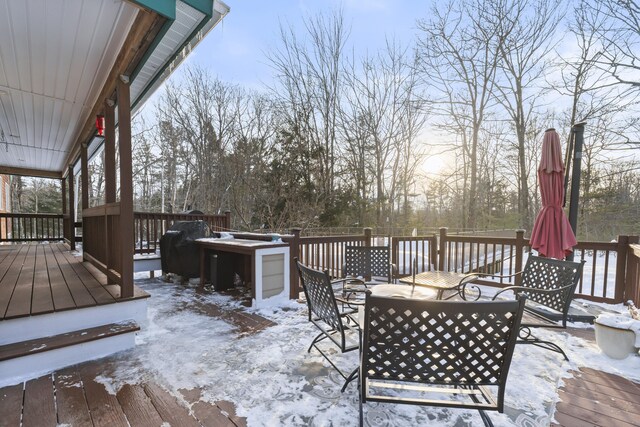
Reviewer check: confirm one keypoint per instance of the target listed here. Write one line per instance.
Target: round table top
(403, 291)
(436, 279)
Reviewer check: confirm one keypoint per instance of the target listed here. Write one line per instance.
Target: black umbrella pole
(578, 133)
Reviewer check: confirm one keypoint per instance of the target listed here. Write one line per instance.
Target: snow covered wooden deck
(56, 310)
(45, 278)
(76, 397)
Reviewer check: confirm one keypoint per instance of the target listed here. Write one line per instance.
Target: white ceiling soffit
(167, 54)
(55, 57)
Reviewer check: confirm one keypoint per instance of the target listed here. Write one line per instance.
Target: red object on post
(100, 125)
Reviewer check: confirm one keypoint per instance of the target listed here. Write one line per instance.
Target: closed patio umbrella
(552, 235)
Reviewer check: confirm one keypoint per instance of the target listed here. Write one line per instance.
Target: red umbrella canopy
(552, 235)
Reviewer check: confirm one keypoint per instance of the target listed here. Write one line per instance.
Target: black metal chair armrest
(345, 280)
(462, 287)
(500, 276)
(526, 289)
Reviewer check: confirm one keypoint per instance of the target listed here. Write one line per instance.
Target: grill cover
(178, 249)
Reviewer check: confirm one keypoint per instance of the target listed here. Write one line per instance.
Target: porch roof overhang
(59, 61)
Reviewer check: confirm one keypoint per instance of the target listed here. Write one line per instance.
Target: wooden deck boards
(44, 278)
(72, 396)
(596, 398)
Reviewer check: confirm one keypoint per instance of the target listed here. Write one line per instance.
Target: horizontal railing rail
(24, 227)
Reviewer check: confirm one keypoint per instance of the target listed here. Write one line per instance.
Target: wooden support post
(631, 274)
(126, 188)
(294, 252)
(72, 211)
(109, 152)
(227, 219)
(442, 248)
(520, 244)
(84, 167)
(621, 268)
(367, 236)
(65, 220)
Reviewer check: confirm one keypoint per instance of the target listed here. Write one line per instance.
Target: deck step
(25, 348)
(40, 326)
(27, 359)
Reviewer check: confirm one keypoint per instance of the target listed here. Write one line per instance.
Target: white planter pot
(616, 343)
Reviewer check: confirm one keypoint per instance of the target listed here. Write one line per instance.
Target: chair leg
(352, 376)
(316, 340)
(526, 337)
(485, 418)
(360, 404)
(547, 345)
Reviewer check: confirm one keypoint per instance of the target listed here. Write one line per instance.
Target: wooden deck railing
(101, 226)
(20, 227)
(149, 227)
(611, 272)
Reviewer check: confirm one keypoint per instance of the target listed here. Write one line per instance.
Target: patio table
(440, 281)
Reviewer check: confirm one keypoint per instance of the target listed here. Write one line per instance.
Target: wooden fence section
(149, 227)
(404, 249)
(102, 247)
(31, 227)
(324, 253)
(611, 272)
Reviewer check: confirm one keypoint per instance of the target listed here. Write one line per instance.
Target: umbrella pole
(567, 166)
(578, 131)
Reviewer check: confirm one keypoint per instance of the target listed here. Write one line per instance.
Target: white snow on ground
(274, 381)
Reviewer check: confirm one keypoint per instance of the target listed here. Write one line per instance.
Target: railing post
(126, 187)
(227, 220)
(621, 268)
(433, 252)
(630, 273)
(520, 243)
(294, 252)
(72, 212)
(367, 236)
(442, 248)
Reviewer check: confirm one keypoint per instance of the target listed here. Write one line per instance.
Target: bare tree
(619, 32)
(527, 37)
(459, 50)
(381, 119)
(309, 85)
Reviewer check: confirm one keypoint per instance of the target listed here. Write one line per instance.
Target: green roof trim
(170, 60)
(204, 6)
(152, 48)
(166, 8)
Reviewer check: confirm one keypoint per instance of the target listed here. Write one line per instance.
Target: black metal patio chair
(549, 285)
(366, 266)
(438, 353)
(336, 325)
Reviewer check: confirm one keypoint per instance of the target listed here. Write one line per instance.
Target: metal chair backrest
(551, 274)
(449, 343)
(368, 262)
(320, 298)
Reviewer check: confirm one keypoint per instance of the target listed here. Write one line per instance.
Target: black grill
(178, 249)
